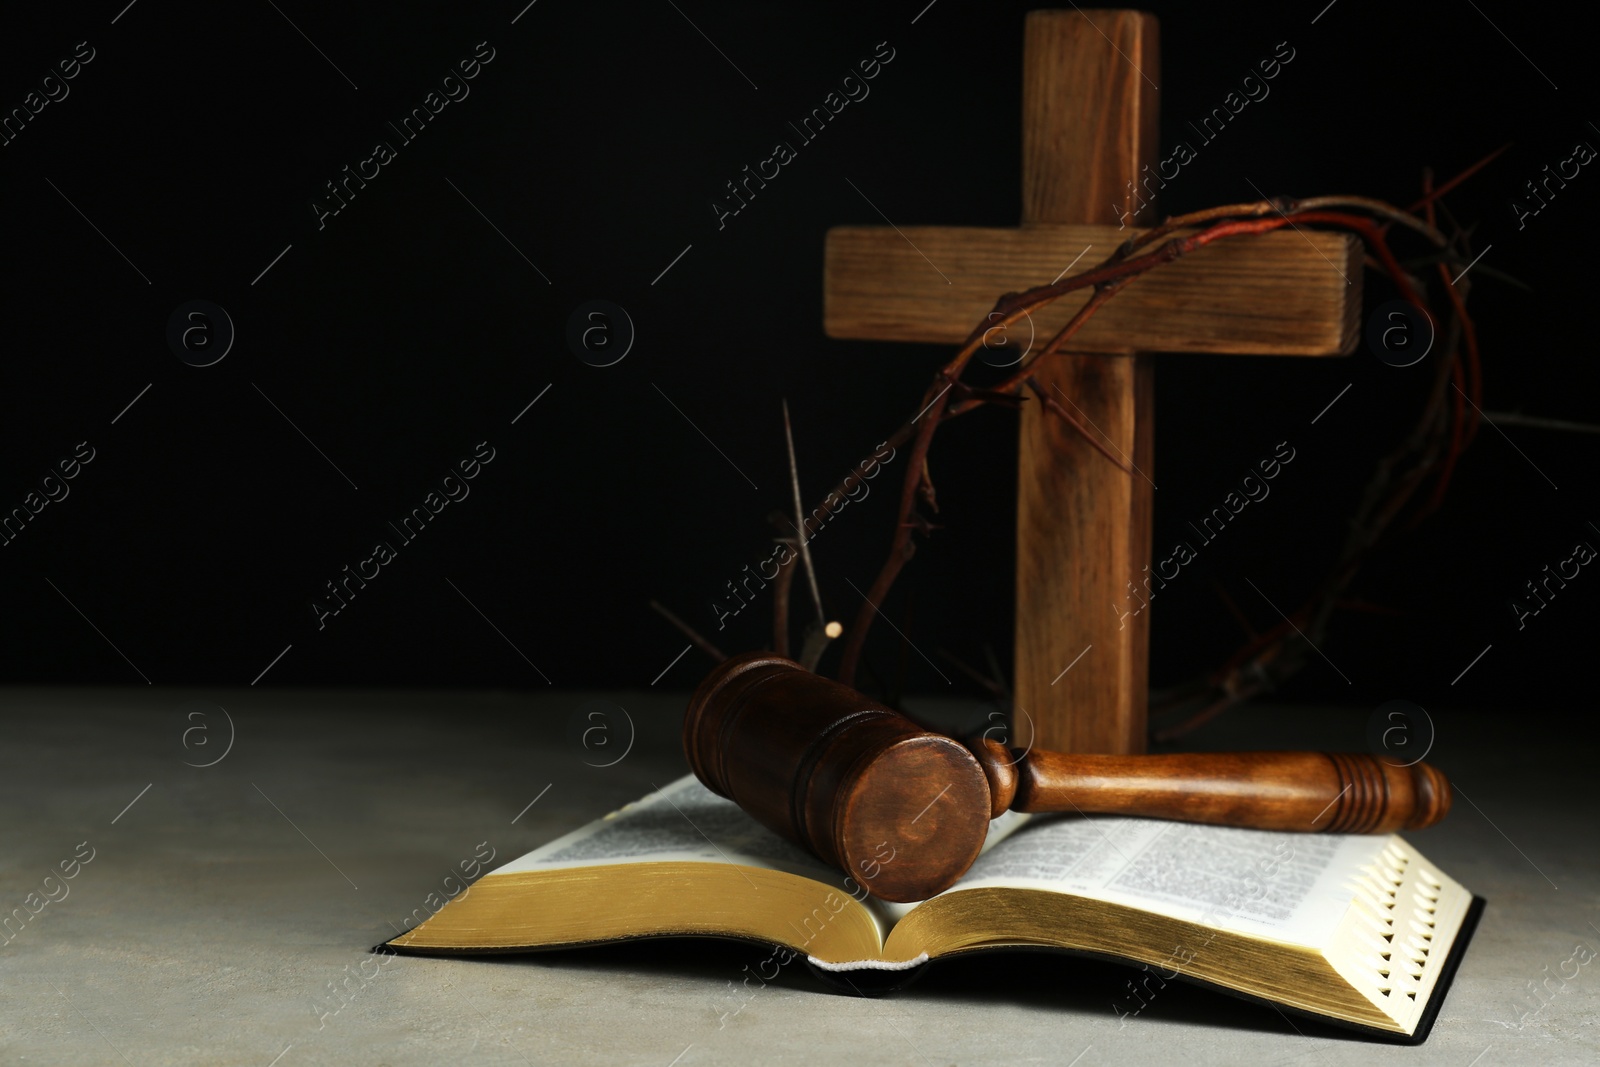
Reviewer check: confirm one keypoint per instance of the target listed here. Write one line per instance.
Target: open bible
(1352, 929)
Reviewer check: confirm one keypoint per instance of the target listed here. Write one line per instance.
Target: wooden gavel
(905, 811)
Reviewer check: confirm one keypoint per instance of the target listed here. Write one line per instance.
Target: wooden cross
(1084, 527)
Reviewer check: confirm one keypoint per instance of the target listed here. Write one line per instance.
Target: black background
(407, 330)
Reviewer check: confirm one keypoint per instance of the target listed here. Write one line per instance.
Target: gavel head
(902, 810)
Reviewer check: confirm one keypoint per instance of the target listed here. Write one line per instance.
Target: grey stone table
(220, 905)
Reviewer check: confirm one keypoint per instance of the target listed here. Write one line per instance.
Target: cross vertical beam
(1089, 125)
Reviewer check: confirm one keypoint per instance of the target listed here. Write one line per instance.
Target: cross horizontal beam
(1294, 293)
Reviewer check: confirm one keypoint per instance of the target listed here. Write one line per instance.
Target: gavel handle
(1307, 791)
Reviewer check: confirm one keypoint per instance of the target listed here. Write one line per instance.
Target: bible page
(682, 822)
(1280, 886)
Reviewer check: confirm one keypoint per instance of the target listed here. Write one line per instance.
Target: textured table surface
(219, 907)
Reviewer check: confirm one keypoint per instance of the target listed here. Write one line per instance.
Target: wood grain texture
(1089, 123)
(1278, 294)
(1090, 112)
(1083, 532)
(1324, 792)
(902, 810)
